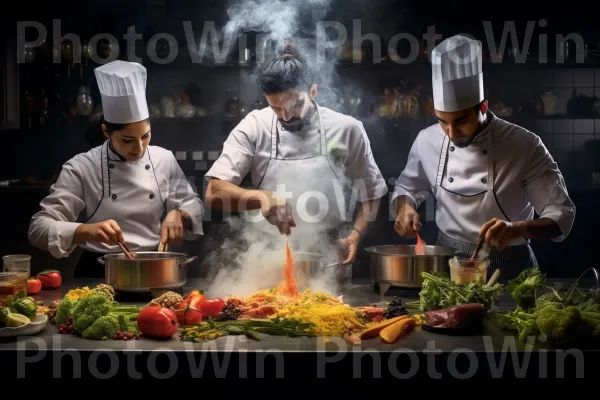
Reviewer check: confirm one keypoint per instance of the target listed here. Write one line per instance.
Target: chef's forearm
(81, 234)
(229, 197)
(542, 228)
(402, 201)
(366, 214)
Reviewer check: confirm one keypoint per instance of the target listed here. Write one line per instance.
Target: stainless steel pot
(307, 266)
(151, 270)
(400, 265)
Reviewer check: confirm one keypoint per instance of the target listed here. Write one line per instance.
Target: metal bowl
(400, 265)
(149, 271)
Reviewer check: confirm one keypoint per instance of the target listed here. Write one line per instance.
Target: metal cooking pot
(307, 266)
(151, 270)
(400, 265)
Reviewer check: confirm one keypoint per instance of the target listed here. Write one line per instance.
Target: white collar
(481, 136)
(113, 156)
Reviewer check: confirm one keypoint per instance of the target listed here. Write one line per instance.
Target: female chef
(488, 176)
(118, 191)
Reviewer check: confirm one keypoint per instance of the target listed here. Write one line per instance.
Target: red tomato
(51, 278)
(187, 315)
(34, 285)
(212, 308)
(157, 321)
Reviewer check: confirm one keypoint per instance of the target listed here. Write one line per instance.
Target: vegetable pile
(569, 318)
(438, 292)
(94, 315)
(19, 311)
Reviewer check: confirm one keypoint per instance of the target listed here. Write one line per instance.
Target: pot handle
(187, 261)
(101, 260)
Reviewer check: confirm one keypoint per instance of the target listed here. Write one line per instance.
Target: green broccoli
(103, 328)
(521, 322)
(128, 323)
(522, 288)
(90, 310)
(64, 310)
(563, 326)
(547, 299)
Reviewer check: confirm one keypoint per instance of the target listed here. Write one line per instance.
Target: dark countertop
(488, 347)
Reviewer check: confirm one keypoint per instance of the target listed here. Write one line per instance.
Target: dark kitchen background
(48, 107)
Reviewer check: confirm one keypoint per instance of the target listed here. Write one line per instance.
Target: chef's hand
(278, 212)
(407, 221)
(107, 232)
(499, 233)
(171, 230)
(349, 245)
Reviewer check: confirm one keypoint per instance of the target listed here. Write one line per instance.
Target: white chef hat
(122, 87)
(457, 74)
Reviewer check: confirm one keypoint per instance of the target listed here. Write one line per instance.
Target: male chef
(302, 158)
(487, 175)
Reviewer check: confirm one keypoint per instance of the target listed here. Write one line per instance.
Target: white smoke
(252, 259)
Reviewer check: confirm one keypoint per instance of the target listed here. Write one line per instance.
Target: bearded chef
(306, 163)
(487, 175)
(123, 190)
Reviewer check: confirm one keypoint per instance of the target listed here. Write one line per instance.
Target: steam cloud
(250, 256)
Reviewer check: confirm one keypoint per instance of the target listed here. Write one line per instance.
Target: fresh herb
(439, 292)
(251, 328)
(395, 308)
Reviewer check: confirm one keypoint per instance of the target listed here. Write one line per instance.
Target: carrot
(392, 332)
(375, 329)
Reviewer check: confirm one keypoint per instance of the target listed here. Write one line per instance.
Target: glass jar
(465, 270)
(19, 263)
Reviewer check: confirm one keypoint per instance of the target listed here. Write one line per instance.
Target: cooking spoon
(127, 252)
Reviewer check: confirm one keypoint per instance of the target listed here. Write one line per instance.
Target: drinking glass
(20, 263)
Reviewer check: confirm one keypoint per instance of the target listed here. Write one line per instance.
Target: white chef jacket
(76, 196)
(248, 149)
(527, 179)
